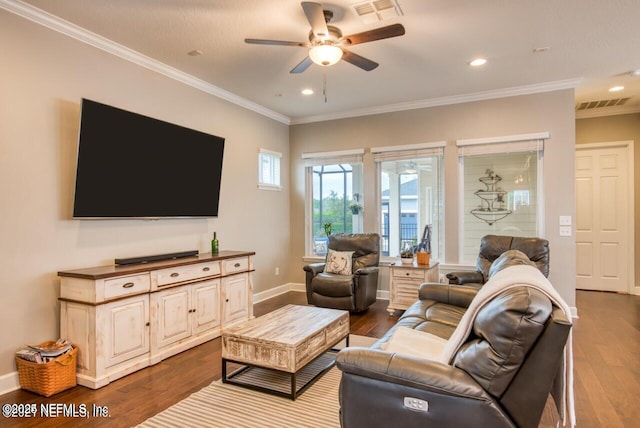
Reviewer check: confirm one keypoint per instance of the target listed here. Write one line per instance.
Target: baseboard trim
(299, 288)
(9, 382)
(574, 312)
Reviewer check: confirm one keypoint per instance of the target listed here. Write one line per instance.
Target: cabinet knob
(148, 324)
(175, 274)
(227, 300)
(128, 285)
(407, 273)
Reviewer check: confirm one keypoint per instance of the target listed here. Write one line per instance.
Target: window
(501, 189)
(411, 196)
(334, 186)
(269, 170)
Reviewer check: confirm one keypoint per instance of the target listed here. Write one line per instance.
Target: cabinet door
(126, 333)
(235, 290)
(171, 316)
(206, 306)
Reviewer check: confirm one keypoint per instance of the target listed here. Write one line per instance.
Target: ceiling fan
(327, 44)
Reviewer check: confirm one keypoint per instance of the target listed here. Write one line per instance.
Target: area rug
(229, 406)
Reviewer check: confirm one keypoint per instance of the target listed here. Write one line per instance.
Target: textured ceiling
(592, 43)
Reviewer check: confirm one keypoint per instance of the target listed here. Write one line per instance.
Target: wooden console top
(100, 272)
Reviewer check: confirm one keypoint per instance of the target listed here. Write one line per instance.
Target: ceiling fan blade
(302, 66)
(394, 30)
(275, 42)
(358, 61)
(315, 16)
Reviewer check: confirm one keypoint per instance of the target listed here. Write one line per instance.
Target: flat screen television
(134, 166)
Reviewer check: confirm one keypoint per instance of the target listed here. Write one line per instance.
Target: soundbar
(146, 259)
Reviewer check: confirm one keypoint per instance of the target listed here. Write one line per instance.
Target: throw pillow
(339, 262)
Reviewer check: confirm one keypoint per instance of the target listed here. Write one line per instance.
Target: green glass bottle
(214, 244)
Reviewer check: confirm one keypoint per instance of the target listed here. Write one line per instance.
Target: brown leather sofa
(500, 377)
(355, 292)
(492, 247)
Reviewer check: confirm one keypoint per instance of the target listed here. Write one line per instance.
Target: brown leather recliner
(355, 292)
(500, 377)
(492, 247)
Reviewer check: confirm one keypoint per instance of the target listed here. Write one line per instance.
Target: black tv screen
(131, 165)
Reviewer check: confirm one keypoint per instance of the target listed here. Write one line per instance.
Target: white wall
(43, 76)
(552, 112)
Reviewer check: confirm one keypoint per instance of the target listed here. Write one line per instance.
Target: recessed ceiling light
(196, 52)
(307, 91)
(616, 88)
(478, 62)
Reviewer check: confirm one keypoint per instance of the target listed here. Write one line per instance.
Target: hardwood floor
(606, 341)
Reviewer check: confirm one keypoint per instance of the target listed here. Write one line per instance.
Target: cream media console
(125, 318)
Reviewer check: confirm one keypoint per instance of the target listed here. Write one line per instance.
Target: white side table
(404, 281)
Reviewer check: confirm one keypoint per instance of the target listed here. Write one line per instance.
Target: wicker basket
(48, 378)
(423, 257)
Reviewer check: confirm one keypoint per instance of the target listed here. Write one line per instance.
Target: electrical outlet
(277, 271)
(565, 230)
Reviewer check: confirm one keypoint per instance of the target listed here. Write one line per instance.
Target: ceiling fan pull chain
(324, 85)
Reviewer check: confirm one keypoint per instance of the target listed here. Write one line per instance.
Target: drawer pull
(236, 265)
(128, 285)
(206, 269)
(175, 275)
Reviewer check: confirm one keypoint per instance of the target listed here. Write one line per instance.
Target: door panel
(602, 238)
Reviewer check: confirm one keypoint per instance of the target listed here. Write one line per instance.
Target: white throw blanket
(517, 276)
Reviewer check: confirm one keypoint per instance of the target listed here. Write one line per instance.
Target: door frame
(632, 288)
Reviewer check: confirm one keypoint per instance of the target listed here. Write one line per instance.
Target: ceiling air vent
(588, 105)
(377, 10)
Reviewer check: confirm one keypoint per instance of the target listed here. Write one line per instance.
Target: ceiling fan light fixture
(325, 54)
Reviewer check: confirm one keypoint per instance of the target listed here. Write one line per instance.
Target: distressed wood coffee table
(284, 346)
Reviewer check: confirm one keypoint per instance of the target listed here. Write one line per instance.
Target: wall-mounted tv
(134, 166)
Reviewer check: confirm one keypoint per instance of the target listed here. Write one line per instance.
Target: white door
(602, 235)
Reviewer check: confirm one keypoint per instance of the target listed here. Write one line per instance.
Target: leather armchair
(491, 247)
(355, 292)
(500, 377)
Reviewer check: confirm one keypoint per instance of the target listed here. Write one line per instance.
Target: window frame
(504, 144)
(275, 176)
(310, 160)
(409, 151)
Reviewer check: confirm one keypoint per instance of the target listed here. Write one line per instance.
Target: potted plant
(406, 253)
(327, 228)
(355, 208)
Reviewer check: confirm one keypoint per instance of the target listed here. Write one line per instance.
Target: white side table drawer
(408, 273)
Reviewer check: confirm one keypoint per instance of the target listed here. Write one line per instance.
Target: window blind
(330, 158)
(417, 151)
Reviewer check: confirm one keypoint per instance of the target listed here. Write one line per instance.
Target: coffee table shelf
(284, 344)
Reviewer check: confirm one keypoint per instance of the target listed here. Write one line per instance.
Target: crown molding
(443, 101)
(606, 111)
(69, 29)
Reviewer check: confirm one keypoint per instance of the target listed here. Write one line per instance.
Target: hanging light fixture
(325, 54)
